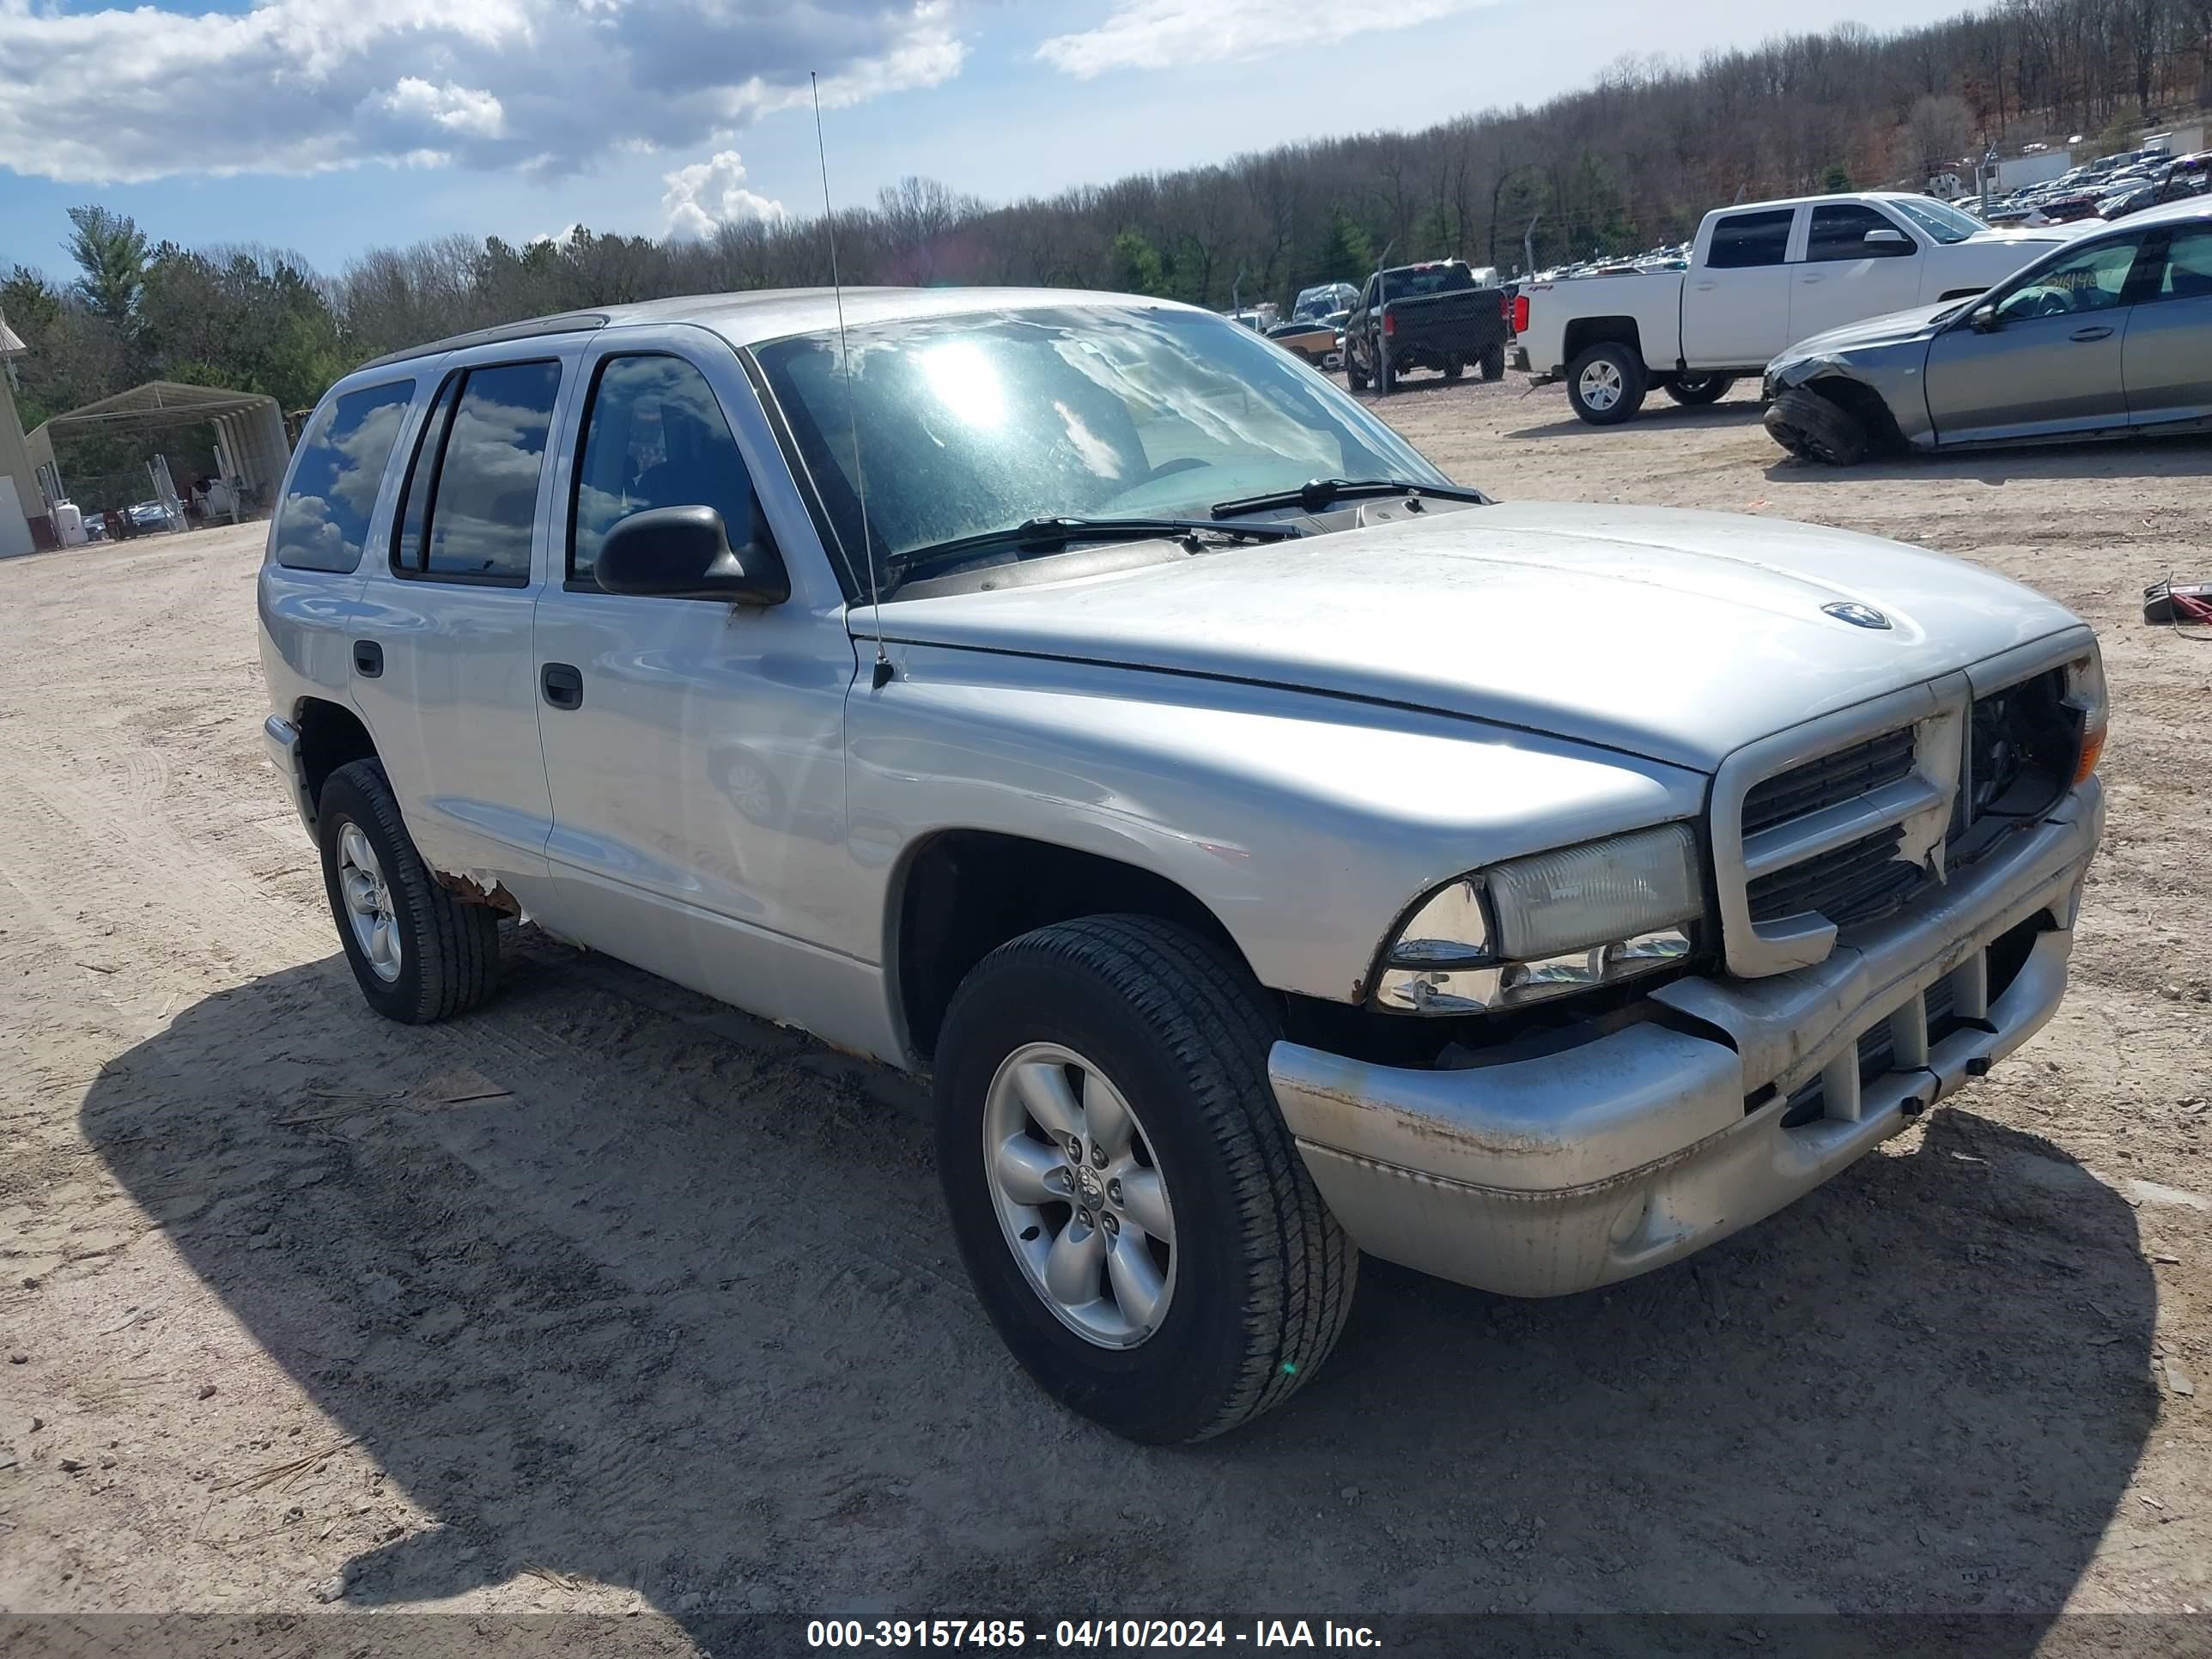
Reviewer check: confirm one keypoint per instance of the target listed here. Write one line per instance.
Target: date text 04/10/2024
(1086, 1634)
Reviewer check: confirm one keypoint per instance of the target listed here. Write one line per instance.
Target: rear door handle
(2095, 331)
(563, 685)
(368, 659)
(1808, 281)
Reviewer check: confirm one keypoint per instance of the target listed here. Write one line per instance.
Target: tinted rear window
(1437, 279)
(323, 524)
(1751, 239)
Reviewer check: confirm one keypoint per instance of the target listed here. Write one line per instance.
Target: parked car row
(2082, 192)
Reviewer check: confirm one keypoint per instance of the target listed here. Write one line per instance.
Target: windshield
(972, 423)
(1945, 224)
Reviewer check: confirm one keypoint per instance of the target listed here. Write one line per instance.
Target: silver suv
(1273, 851)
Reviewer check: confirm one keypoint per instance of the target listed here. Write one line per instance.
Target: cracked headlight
(1547, 925)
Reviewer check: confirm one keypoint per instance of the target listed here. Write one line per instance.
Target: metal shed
(249, 426)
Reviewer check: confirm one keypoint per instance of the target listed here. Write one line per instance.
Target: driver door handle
(2095, 331)
(562, 684)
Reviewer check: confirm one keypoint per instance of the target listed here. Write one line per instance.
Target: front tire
(1696, 391)
(1134, 1216)
(1606, 382)
(1816, 429)
(1353, 376)
(417, 951)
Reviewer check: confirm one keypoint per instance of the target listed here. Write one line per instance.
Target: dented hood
(1676, 636)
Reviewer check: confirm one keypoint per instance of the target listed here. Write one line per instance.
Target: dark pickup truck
(1434, 315)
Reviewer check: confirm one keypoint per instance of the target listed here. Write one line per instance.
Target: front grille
(1830, 780)
(1858, 882)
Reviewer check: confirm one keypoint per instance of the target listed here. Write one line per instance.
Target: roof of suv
(760, 314)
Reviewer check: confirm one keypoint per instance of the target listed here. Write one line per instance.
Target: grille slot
(1858, 882)
(1877, 1048)
(1829, 780)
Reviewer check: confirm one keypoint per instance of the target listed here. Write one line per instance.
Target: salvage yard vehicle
(1441, 315)
(1266, 844)
(1760, 277)
(1313, 339)
(2109, 335)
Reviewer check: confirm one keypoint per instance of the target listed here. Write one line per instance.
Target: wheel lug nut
(1112, 1226)
(1114, 1191)
(1075, 1149)
(1084, 1216)
(1098, 1158)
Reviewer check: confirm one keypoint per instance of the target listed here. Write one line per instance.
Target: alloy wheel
(1078, 1194)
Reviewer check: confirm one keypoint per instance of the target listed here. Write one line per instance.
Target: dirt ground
(673, 1325)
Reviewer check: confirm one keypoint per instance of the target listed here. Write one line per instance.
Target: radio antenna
(883, 668)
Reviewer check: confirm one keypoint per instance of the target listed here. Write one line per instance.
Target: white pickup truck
(1761, 276)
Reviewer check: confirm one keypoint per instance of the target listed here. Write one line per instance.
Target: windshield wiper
(1317, 493)
(1036, 533)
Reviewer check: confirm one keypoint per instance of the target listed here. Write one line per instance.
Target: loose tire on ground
(1695, 391)
(438, 956)
(1814, 428)
(1606, 382)
(1492, 366)
(1260, 1277)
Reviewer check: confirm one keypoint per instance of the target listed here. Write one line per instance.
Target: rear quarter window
(322, 523)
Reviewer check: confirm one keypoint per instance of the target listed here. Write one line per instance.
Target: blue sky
(332, 126)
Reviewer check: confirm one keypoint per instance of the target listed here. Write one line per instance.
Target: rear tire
(1696, 391)
(1386, 375)
(1248, 1290)
(1492, 366)
(1606, 382)
(418, 953)
(1454, 368)
(1816, 429)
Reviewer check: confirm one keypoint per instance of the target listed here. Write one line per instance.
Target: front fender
(1896, 374)
(1306, 824)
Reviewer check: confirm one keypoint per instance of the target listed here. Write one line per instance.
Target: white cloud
(470, 111)
(548, 85)
(1158, 35)
(708, 194)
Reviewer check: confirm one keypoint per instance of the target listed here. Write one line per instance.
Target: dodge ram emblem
(1858, 616)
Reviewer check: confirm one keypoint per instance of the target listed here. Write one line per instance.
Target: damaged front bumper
(1547, 1175)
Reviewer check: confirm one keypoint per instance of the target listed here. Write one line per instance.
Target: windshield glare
(1944, 223)
(977, 422)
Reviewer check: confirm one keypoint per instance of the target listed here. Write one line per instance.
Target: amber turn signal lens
(2092, 749)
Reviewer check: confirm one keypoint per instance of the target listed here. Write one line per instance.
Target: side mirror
(1884, 240)
(684, 553)
(1983, 319)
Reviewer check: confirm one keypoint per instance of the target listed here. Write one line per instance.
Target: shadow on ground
(680, 1313)
(2115, 457)
(1658, 411)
